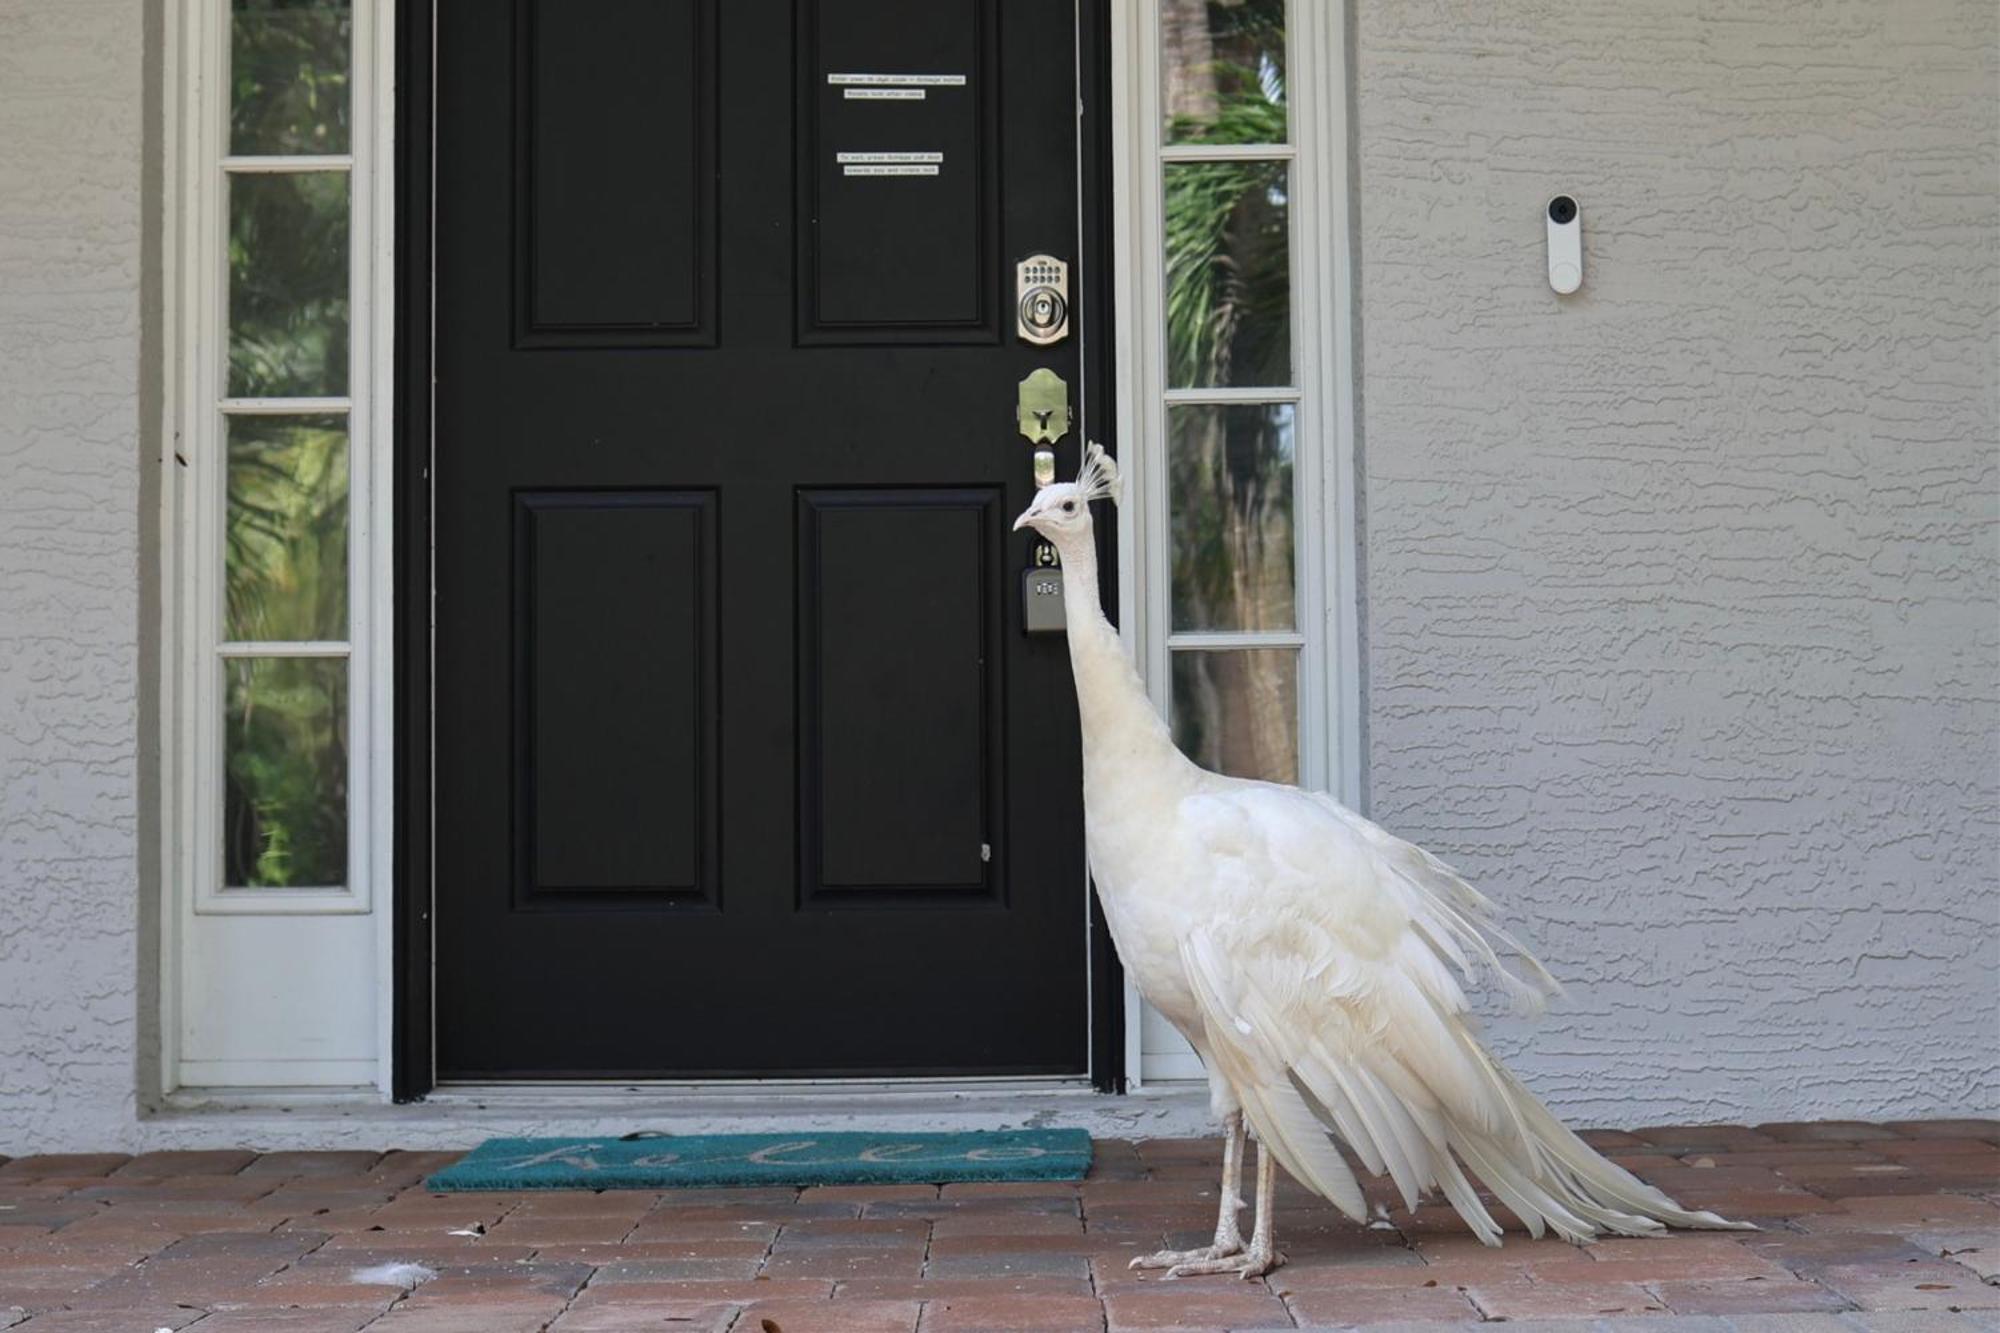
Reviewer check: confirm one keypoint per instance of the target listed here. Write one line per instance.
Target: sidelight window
(276, 459)
(275, 572)
(1230, 385)
(1235, 394)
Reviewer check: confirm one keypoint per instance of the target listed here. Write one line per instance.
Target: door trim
(412, 1068)
(413, 1062)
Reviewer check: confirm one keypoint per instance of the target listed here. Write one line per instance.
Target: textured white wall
(1682, 624)
(70, 467)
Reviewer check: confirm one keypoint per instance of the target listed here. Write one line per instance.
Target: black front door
(744, 764)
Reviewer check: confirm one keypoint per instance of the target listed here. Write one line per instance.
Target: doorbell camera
(1565, 244)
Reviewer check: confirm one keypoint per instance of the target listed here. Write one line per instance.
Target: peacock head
(1062, 508)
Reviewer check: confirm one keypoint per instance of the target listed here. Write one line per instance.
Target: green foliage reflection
(289, 80)
(1227, 249)
(1224, 68)
(1228, 253)
(285, 579)
(288, 284)
(285, 556)
(285, 773)
(1230, 476)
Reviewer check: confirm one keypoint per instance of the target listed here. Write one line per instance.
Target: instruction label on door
(897, 80)
(890, 164)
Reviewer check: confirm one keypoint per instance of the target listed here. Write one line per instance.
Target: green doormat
(704, 1160)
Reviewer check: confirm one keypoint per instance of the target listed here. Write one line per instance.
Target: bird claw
(1246, 1265)
(1175, 1259)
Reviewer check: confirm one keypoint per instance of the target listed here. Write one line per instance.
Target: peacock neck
(1124, 737)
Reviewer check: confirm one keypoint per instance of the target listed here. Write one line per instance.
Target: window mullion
(1222, 640)
(285, 406)
(282, 162)
(1220, 395)
(284, 648)
(1228, 152)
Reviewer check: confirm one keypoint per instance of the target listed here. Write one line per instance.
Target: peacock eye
(1069, 506)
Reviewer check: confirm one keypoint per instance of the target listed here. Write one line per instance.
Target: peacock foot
(1246, 1264)
(1220, 1252)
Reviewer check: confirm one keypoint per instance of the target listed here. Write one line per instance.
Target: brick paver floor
(1892, 1227)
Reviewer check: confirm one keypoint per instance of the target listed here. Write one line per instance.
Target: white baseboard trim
(335, 1074)
(455, 1118)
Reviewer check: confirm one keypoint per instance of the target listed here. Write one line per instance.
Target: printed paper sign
(883, 159)
(898, 80)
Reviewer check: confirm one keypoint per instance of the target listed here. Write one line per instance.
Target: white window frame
(1324, 478)
(196, 911)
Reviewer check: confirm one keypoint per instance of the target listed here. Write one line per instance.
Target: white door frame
(269, 987)
(1330, 664)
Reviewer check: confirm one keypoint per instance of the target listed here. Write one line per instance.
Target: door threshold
(781, 1102)
(456, 1118)
(502, 1087)
(817, 1106)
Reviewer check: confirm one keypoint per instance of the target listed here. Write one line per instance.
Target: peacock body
(1317, 964)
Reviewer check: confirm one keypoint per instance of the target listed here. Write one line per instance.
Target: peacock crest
(1098, 477)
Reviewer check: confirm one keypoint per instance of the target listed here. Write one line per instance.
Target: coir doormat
(707, 1160)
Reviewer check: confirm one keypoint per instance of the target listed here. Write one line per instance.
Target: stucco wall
(1681, 609)
(70, 469)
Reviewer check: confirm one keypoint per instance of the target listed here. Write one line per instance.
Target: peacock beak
(1025, 520)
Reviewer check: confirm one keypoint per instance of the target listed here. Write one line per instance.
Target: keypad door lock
(1041, 294)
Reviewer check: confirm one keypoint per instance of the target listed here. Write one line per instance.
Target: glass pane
(1231, 492)
(284, 805)
(288, 284)
(1229, 274)
(288, 75)
(1236, 711)
(285, 547)
(1223, 70)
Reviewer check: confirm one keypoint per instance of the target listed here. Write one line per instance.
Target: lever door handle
(1041, 410)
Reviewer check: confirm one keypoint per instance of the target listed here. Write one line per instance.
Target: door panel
(616, 620)
(614, 134)
(743, 763)
(900, 771)
(876, 270)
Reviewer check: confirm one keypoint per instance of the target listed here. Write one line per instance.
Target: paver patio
(1892, 1227)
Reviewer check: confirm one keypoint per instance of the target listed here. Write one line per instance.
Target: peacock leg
(1261, 1257)
(1228, 1238)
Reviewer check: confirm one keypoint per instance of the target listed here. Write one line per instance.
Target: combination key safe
(1042, 592)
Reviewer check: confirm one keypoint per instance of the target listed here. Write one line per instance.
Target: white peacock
(1317, 964)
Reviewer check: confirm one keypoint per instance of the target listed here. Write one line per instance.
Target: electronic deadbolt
(1041, 294)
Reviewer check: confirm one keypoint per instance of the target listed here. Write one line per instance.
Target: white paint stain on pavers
(405, 1276)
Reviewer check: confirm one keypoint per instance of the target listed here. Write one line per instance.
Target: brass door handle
(1041, 410)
